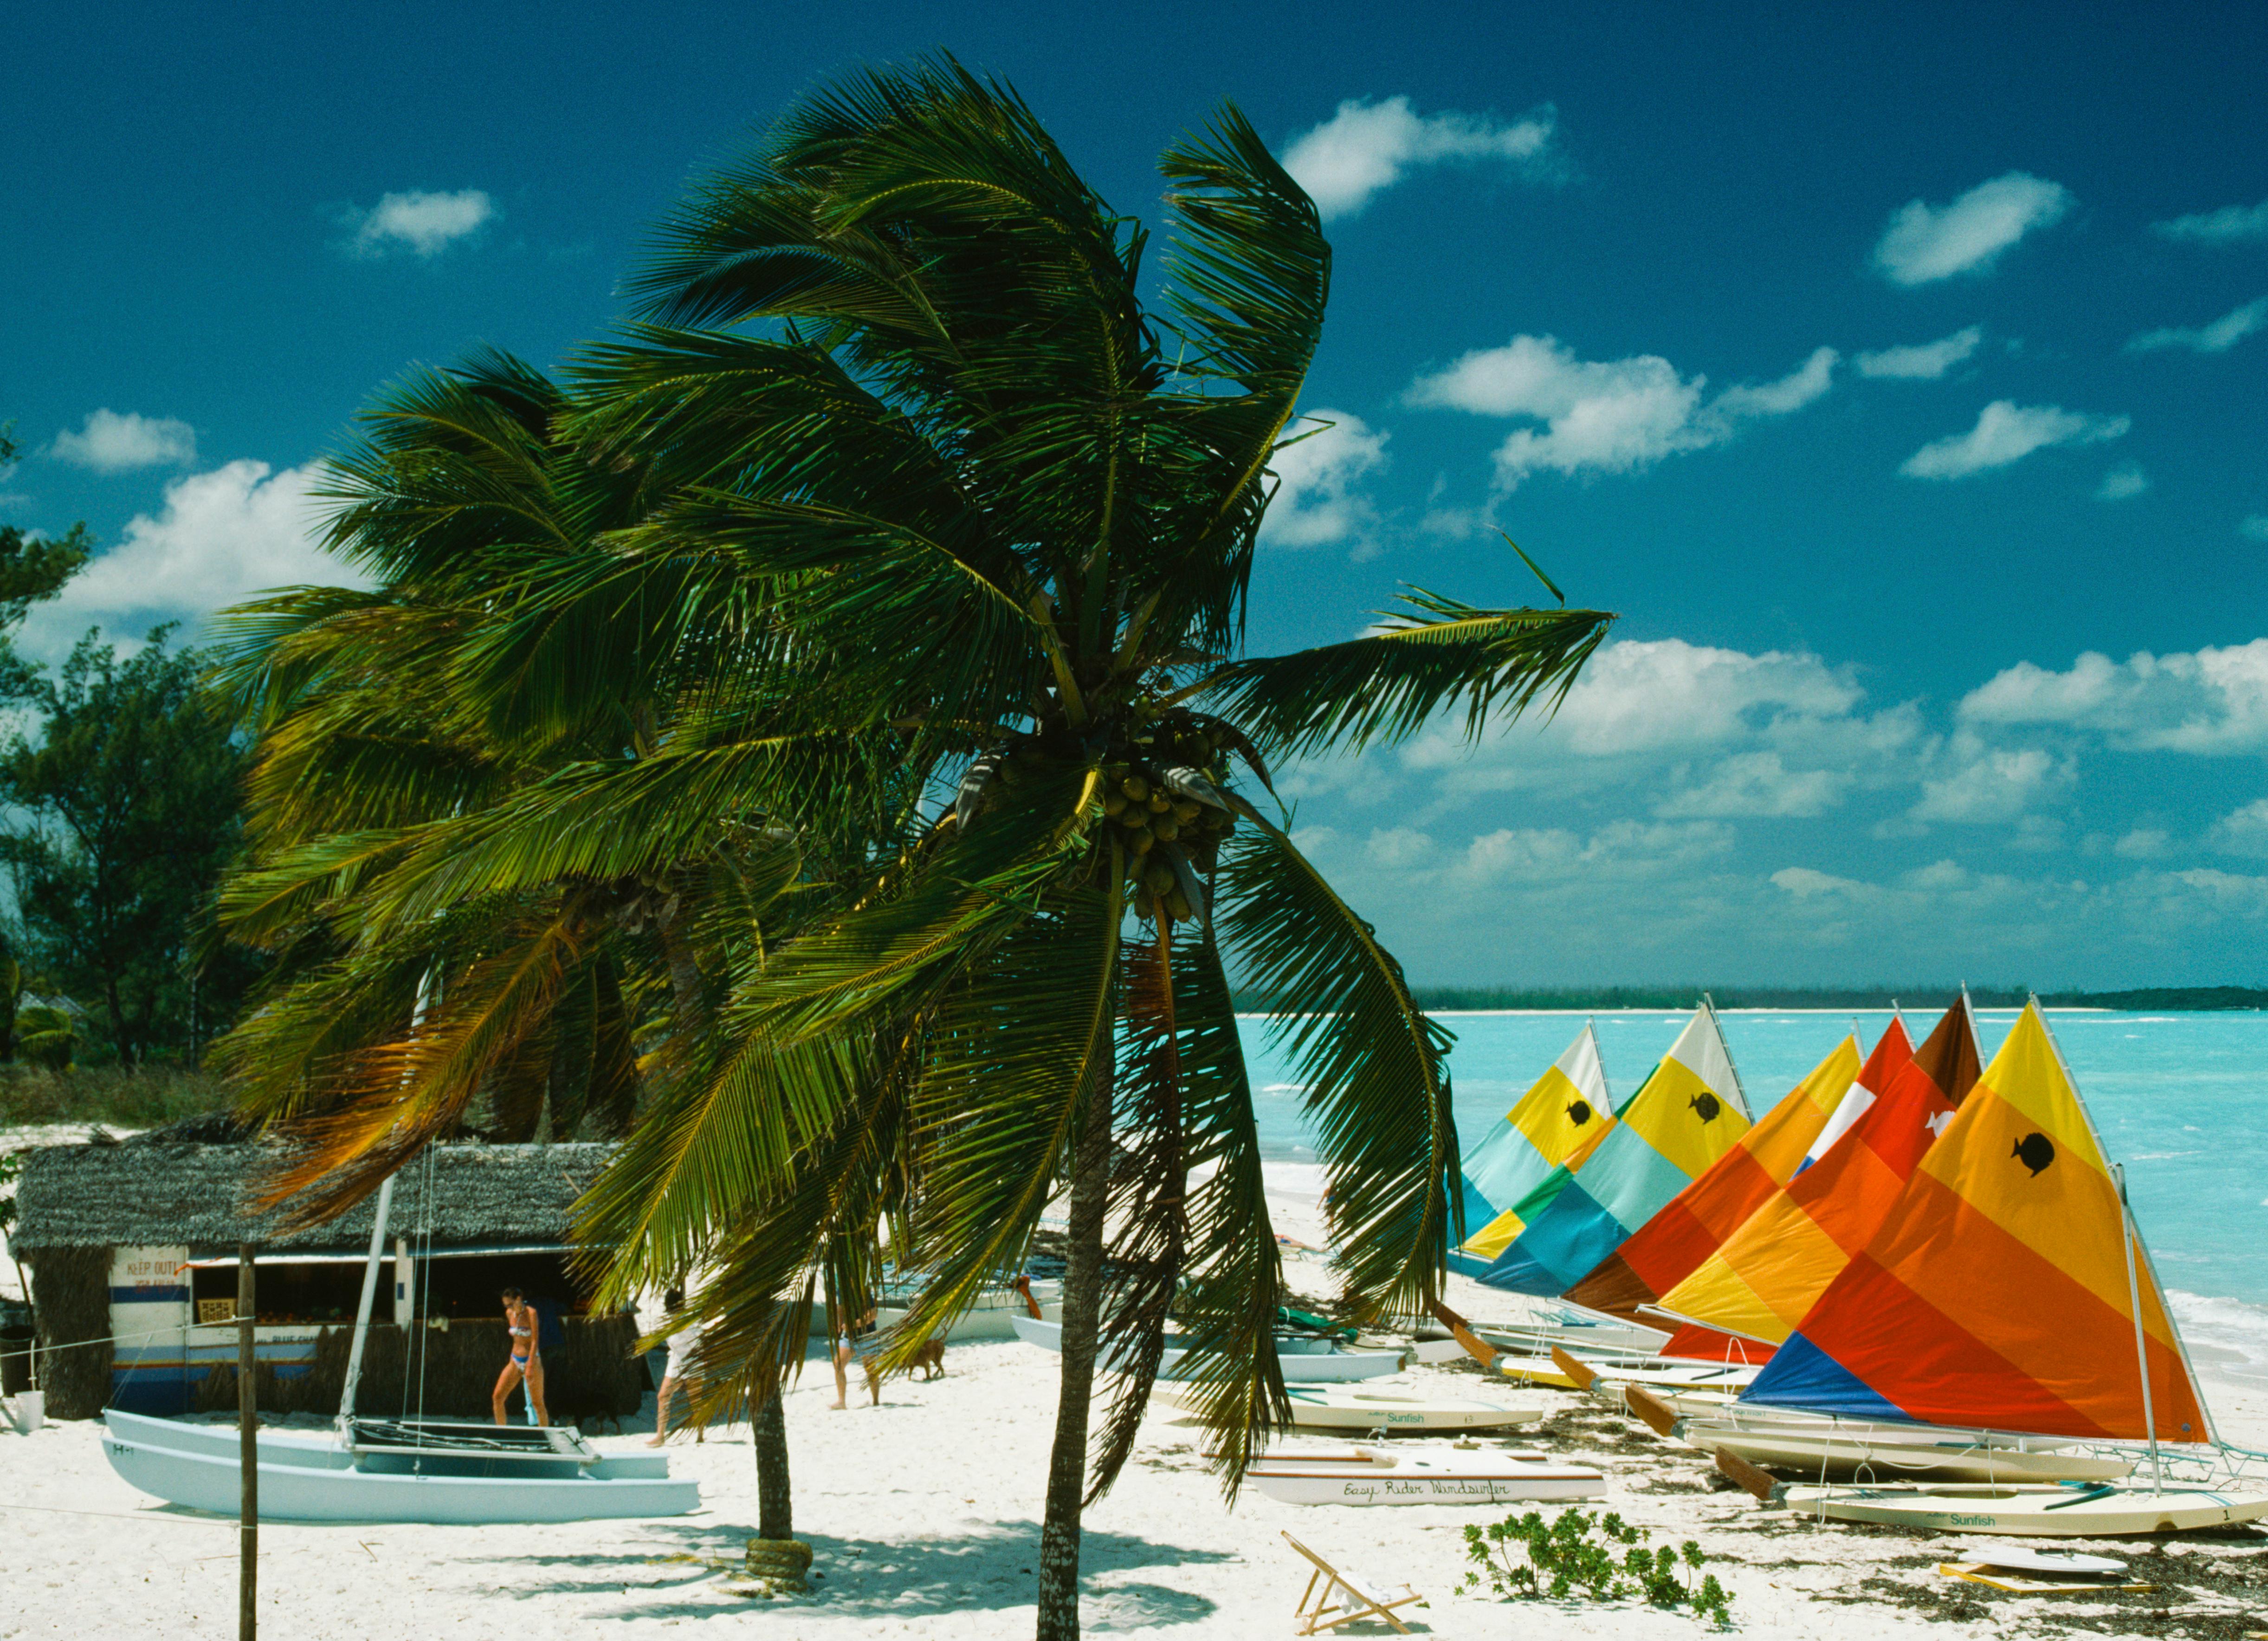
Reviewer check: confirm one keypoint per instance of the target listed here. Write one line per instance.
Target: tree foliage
(127, 787)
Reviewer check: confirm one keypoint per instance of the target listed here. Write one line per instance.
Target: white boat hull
(1359, 1408)
(308, 1476)
(1655, 1372)
(1300, 1367)
(1899, 1455)
(1396, 1479)
(2028, 1512)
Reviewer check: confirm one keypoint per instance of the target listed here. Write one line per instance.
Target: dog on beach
(930, 1357)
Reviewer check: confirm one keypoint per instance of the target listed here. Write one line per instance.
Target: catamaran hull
(298, 1492)
(1536, 1484)
(320, 1450)
(2029, 1512)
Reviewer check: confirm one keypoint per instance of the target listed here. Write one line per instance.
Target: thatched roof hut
(148, 1192)
(132, 1244)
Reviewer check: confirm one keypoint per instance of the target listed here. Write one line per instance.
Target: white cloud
(425, 224)
(1366, 147)
(1791, 392)
(2008, 432)
(2254, 526)
(1924, 361)
(2228, 226)
(1803, 882)
(1925, 242)
(2218, 337)
(1991, 784)
(1662, 694)
(221, 537)
(2244, 832)
(2123, 483)
(1316, 503)
(111, 443)
(1615, 416)
(2212, 702)
(2144, 843)
(1758, 784)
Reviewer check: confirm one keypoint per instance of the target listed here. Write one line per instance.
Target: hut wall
(451, 1372)
(70, 1295)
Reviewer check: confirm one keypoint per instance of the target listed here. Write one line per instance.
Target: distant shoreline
(1609, 999)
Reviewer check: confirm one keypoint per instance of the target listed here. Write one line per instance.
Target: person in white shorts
(684, 1346)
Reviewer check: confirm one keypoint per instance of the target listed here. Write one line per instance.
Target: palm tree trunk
(768, 1433)
(767, 1424)
(1082, 1306)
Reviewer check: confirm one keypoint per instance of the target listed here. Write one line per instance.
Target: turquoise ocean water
(2180, 1100)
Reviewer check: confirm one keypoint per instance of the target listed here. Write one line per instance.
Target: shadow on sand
(979, 1569)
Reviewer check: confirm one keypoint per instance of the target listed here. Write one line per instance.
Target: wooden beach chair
(1365, 1597)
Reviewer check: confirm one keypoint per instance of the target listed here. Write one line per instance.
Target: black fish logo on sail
(1579, 1113)
(1705, 1106)
(2034, 1151)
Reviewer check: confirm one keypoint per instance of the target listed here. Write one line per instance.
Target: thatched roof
(138, 1194)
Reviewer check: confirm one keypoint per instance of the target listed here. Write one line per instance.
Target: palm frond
(1435, 653)
(1373, 1067)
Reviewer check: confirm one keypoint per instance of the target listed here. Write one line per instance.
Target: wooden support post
(248, 1532)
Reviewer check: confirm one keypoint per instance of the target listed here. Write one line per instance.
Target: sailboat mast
(2127, 1235)
(1740, 1093)
(384, 1212)
(369, 1296)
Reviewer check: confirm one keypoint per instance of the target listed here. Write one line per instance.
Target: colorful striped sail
(1998, 1292)
(1556, 1120)
(1686, 1114)
(1772, 1270)
(1670, 1246)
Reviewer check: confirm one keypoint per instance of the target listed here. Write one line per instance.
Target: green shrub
(44, 1037)
(1563, 1559)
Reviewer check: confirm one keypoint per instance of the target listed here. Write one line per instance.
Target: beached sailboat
(1418, 1476)
(1557, 1123)
(1695, 1223)
(1686, 1114)
(394, 1471)
(1764, 1277)
(1365, 1408)
(1306, 1359)
(1606, 1377)
(2007, 1290)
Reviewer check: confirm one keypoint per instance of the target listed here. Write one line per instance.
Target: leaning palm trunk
(1082, 1315)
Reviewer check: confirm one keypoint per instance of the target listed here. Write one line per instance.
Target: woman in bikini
(520, 1320)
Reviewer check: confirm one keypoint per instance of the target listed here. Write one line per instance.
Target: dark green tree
(125, 797)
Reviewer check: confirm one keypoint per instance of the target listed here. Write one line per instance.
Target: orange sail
(1697, 1221)
(1996, 1291)
(1765, 1276)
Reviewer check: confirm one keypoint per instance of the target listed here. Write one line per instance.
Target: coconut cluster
(1151, 801)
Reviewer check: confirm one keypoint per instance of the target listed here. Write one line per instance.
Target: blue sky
(1897, 373)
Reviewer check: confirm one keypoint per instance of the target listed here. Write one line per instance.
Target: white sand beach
(924, 1513)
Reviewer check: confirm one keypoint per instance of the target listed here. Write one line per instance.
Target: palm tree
(433, 827)
(935, 474)
(858, 679)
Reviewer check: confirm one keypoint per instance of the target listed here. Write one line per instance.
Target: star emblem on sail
(1995, 1294)
(1688, 1113)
